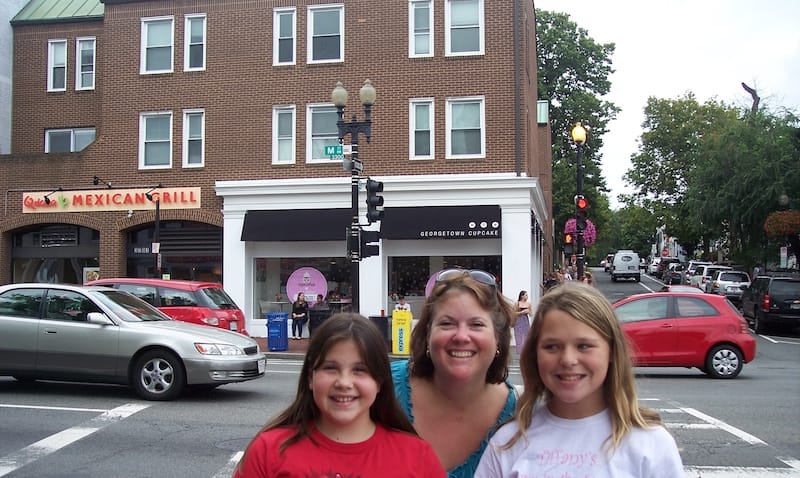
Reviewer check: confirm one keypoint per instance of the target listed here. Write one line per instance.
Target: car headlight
(218, 349)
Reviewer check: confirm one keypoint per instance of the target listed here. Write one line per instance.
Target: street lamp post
(579, 137)
(354, 128)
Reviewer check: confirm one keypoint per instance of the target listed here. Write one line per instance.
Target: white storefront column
(517, 246)
(237, 273)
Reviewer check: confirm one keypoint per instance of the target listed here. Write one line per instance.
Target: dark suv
(771, 301)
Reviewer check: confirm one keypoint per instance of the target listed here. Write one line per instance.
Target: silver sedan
(97, 334)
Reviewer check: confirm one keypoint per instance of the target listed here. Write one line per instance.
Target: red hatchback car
(203, 303)
(676, 329)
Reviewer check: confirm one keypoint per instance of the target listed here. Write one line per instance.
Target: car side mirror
(98, 318)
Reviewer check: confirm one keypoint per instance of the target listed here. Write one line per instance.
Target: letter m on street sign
(334, 150)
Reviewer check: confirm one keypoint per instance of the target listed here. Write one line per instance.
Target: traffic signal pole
(579, 136)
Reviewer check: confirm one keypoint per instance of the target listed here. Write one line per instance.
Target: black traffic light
(569, 240)
(582, 213)
(374, 201)
(369, 243)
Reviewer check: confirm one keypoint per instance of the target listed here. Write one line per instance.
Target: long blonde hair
(586, 305)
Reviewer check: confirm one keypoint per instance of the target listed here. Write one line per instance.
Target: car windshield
(219, 298)
(127, 307)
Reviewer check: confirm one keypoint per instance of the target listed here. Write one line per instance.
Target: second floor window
(466, 128)
(421, 128)
(325, 34)
(420, 35)
(68, 140)
(322, 131)
(194, 45)
(157, 48)
(155, 140)
(57, 65)
(464, 27)
(283, 134)
(85, 63)
(284, 31)
(194, 127)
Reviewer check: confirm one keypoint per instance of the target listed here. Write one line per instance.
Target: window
(644, 309)
(694, 307)
(421, 128)
(155, 140)
(466, 135)
(194, 43)
(85, 61)
(420, 35)
(67, 140)
(321, 131)
(284, 31)
(21, 303)
(283, 134)
(57, 65)
(157, 54)
(194, 132)
(325, 34)
(463, 27)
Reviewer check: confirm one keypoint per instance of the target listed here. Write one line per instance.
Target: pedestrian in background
(522, 321)
(345, 419)
(299, 316)
(579, 414)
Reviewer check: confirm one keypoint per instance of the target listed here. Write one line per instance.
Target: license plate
(733, 289)
(234, 326)
(262, 365)
(631, 268)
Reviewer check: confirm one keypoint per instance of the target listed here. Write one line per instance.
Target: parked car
(625, 266)
(652, 268)
(203, 303)
(608, 262)
(703, 274)
(772, 301)
(677, 329)
(691, 267)
(99, 334)
(729, 284)
(673, 274)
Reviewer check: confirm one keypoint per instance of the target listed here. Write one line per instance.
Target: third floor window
(57, 65)
(85, 63)
(157, 45)
(194, 43)
(284, 33)
(325, 34)
(464, 27)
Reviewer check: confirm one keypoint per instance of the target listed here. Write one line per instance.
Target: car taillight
(210, 321)
(765, 302)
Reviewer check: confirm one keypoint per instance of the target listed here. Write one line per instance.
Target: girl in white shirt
(578, 415)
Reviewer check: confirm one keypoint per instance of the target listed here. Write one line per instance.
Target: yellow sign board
(401, 332)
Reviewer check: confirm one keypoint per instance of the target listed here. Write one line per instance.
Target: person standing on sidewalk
(299, 316)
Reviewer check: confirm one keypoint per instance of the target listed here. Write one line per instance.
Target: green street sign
(336, 150)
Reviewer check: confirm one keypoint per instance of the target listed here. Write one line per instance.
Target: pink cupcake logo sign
(310, 282)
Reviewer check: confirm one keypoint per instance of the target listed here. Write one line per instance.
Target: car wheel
(724, 361)
(758, 323)
(158, 375)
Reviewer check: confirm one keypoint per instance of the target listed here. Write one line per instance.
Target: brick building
(204, 124)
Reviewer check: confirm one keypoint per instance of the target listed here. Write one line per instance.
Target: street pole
(579, 136)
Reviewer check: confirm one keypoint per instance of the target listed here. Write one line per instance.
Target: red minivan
(203, 303)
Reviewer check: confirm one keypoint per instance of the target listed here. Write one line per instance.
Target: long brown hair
(587, 305)
(373, 350)
(490, 299)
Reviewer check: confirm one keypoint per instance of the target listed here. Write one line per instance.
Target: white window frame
(145, 22)
(143, 117)
(74, 133)
(412, 128)
(276, 138)
(187, 41)
(309, 138)
(412, 43)
(79, 42)
(187, 137)
(448, 122)
(54, 63)
(448, 29)
(312, 10)
(277, 13)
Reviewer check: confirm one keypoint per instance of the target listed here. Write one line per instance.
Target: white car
(653, 267)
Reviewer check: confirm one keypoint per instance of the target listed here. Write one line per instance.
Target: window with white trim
(421, 128)
(325, 33)
(157, 45)
(84, 63)
(155, 140)
(283, 135)
(321, 131)
(194, 42)
(284, 31)
(420, 32)
(466, 127)
(464, 27)
(68, 140)
(57, 65)
(194, 138)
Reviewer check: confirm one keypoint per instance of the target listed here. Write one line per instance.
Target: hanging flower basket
(782, 223)
(589, 234)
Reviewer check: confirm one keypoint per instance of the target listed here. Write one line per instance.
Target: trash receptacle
(316, 317)
(382, 322)
(277, 331)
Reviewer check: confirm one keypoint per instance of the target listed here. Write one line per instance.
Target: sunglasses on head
(476, 274)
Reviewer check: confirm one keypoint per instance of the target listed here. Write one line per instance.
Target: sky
(668, 48)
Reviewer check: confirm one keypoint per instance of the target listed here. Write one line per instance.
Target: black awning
(297, 225)
(441, 222)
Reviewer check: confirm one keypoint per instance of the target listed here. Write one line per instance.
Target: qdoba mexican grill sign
(110, 200)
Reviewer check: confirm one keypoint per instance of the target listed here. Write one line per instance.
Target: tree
(573, 73)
